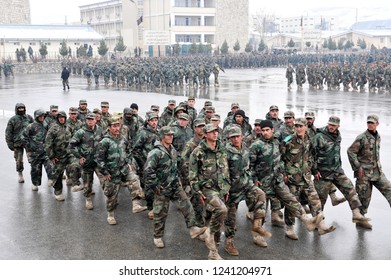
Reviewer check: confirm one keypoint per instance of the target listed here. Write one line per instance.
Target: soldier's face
(91, 123)
(167, 139)
(257, 129)
(332, 128)
(183, 122)
(105, 109)
(372, 126)
(310, 121)
(216, 123)
(234, 109)
(114, 129)
(289, 121)
(153, 123)
(239, 119)
(83, 106)
(300, 129)
(171, 106)
(73, 116)
(199, 130)
(41, 118)
(267, 132)
(274, 113)
(191, 103)
(212, 136)
(98, 117)
(61, 120)
(236, 141)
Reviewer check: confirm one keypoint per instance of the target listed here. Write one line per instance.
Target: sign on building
(156, 37)
(312, 35)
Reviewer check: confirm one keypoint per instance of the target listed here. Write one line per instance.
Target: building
(15, 12)
(295, 24)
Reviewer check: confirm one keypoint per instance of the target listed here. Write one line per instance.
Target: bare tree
(264, 22)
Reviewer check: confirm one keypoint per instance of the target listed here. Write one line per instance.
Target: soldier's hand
(317, 176)
(360, 172)
(82, 160)
(286, 180)
(202, 198)
(108, 177)
(257, 183)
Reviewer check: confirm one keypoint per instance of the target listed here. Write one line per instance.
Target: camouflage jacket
(297, 156)
(265, 161)
(33, 139)
(311, 131)
(166, 117)
(327, 153)
(14, 130)
(181, 136)
(284, 132)
(245, 126)
(113, 156)
(144, 143)
(72, 127)
(364, 153)
(185, 157)
(57, 141)
(209, 168)
(160, 169)
(84, 142)
(276, 122)
(252, 138)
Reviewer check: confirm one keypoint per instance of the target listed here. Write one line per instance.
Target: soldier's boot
(68, 182)
(34, 187)
(196, 231)
(110, 218)
(150, 215)
(313, 222)
(276, 219)
(290, 233)
(250, 215)
(137, 207)
(364, 224)
(50, 183)
(257, 227)
(230, 248)
(158, 242)
(20, 177)
(336, 200)
(76, 188)
(324, 229)
(59, 197)
(211, 245)
(306, 209)
(201, 237)
(89, 204)
(358, 217)
(258, 239)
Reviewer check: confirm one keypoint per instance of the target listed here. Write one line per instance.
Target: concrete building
(295, 24)
(15, 12)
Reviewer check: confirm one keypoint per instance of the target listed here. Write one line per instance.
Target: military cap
(266, 123)
(300, 121)
(155, 107)
(113, 120)
(151, 115)
(209, 109)
(207, 103)
(257, 121)
(82, 101)
(61, 114)
(53, 107)
(199, 122)
(191, 97)
(209, 128)
(234, 105)
(38, 113)
(104, 104)
(165, 130)
(73, 110)
(216, 117)
(373, 118)
(273, 107)
(334, 120)
(309, 115)
(97, 111)
(184, 116)
(233, 130)
(179, 108)
(289, 114)
(90, 116)
(171, 102)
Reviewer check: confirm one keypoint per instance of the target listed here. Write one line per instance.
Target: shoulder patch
(288, 139)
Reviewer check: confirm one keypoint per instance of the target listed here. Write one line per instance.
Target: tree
(224, 47)
(332, 45)
(264, 22)
(237, 46)
(291, 43)
(363, 44)
(248, 48)
(64, 49)
(325, 44)
(193, 48)
(120, 47)
(43, 50)
(177, 49)
(102, 49)
(341, 44)
(201, 49)
(262, 46)
(348, 45)
(308, 44)
(81, 52)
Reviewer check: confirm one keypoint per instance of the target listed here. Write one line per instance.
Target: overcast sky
(54, 11)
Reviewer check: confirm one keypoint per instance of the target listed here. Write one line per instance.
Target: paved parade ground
(34, 226)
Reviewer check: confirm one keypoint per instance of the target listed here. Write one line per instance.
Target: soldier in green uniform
(50, 118)
(289, 75)
(272, 115)
(104, 106)
(364, 157)
(168, 114)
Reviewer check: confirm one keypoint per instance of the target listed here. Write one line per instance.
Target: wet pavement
(34, 226)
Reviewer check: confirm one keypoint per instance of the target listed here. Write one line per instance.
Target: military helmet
(233, 130)
(61, 114)
(38, 113)
(165, 130)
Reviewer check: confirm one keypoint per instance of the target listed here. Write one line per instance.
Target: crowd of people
(202, 163)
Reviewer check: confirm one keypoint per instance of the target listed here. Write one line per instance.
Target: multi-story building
(15, 12)
(295, 24)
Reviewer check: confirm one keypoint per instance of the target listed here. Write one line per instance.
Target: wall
(36, 68)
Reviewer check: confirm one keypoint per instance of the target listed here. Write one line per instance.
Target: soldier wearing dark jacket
(13, 136)
(65, 78)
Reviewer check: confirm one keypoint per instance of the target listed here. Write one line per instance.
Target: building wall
(15, 12)
(293, 24)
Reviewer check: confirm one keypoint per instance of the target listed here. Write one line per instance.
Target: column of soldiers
(288, 166)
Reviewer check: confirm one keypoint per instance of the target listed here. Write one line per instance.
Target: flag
(139, 20)
(301, 21)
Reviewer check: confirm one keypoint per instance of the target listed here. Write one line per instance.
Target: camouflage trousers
(36, 164)
(343, 183)
(198, 210)
(18, 156)
(313, 200)
(256, 202)
(88, 179)
(111, 189)
(161, 204)
(364, 190)
(216, 206)
(275, 203)
(58, 171)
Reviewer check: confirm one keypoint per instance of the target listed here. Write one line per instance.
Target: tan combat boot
(358, 217)
(89, 204)
(336, 200)
(257, 227)
(196, 231)
(110, 218)
(150, 215)
(290, 233)
(137, 207)
(59, 197)
(210, 243)
(250, 215)
(76, 188)
(277, 219)
(34, 187)
(312, 222)
(158, 242)
(324, 229)
(230, 247)
(258, 239)
(364, 224)
(20, 177)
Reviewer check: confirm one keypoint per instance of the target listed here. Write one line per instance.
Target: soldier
(161, 176)
(155, 108)
(56, 144)
(267, 171)
(65, 78)
(202, 112)
(328, 170)
(50, 118)
(190, 108)
(209, 113)
(230, 116)
(240, 119)
(216, 70)
(83, 110)
(182, 132)
(288, 127)
(364, 157)
(272, 115)
(209, 180)
(310, 119)
(242, 188)
(289, 75)
(168, 114)
(255, 135)
(104, 106)
(13, 134)
(300, 76)
(296, 153)
(33, 139)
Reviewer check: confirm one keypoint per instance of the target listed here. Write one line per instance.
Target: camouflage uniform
(365, 153)
(13, 134)
(50, 119)
(167, 116)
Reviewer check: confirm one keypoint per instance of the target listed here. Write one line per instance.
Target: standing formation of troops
(185, 157)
